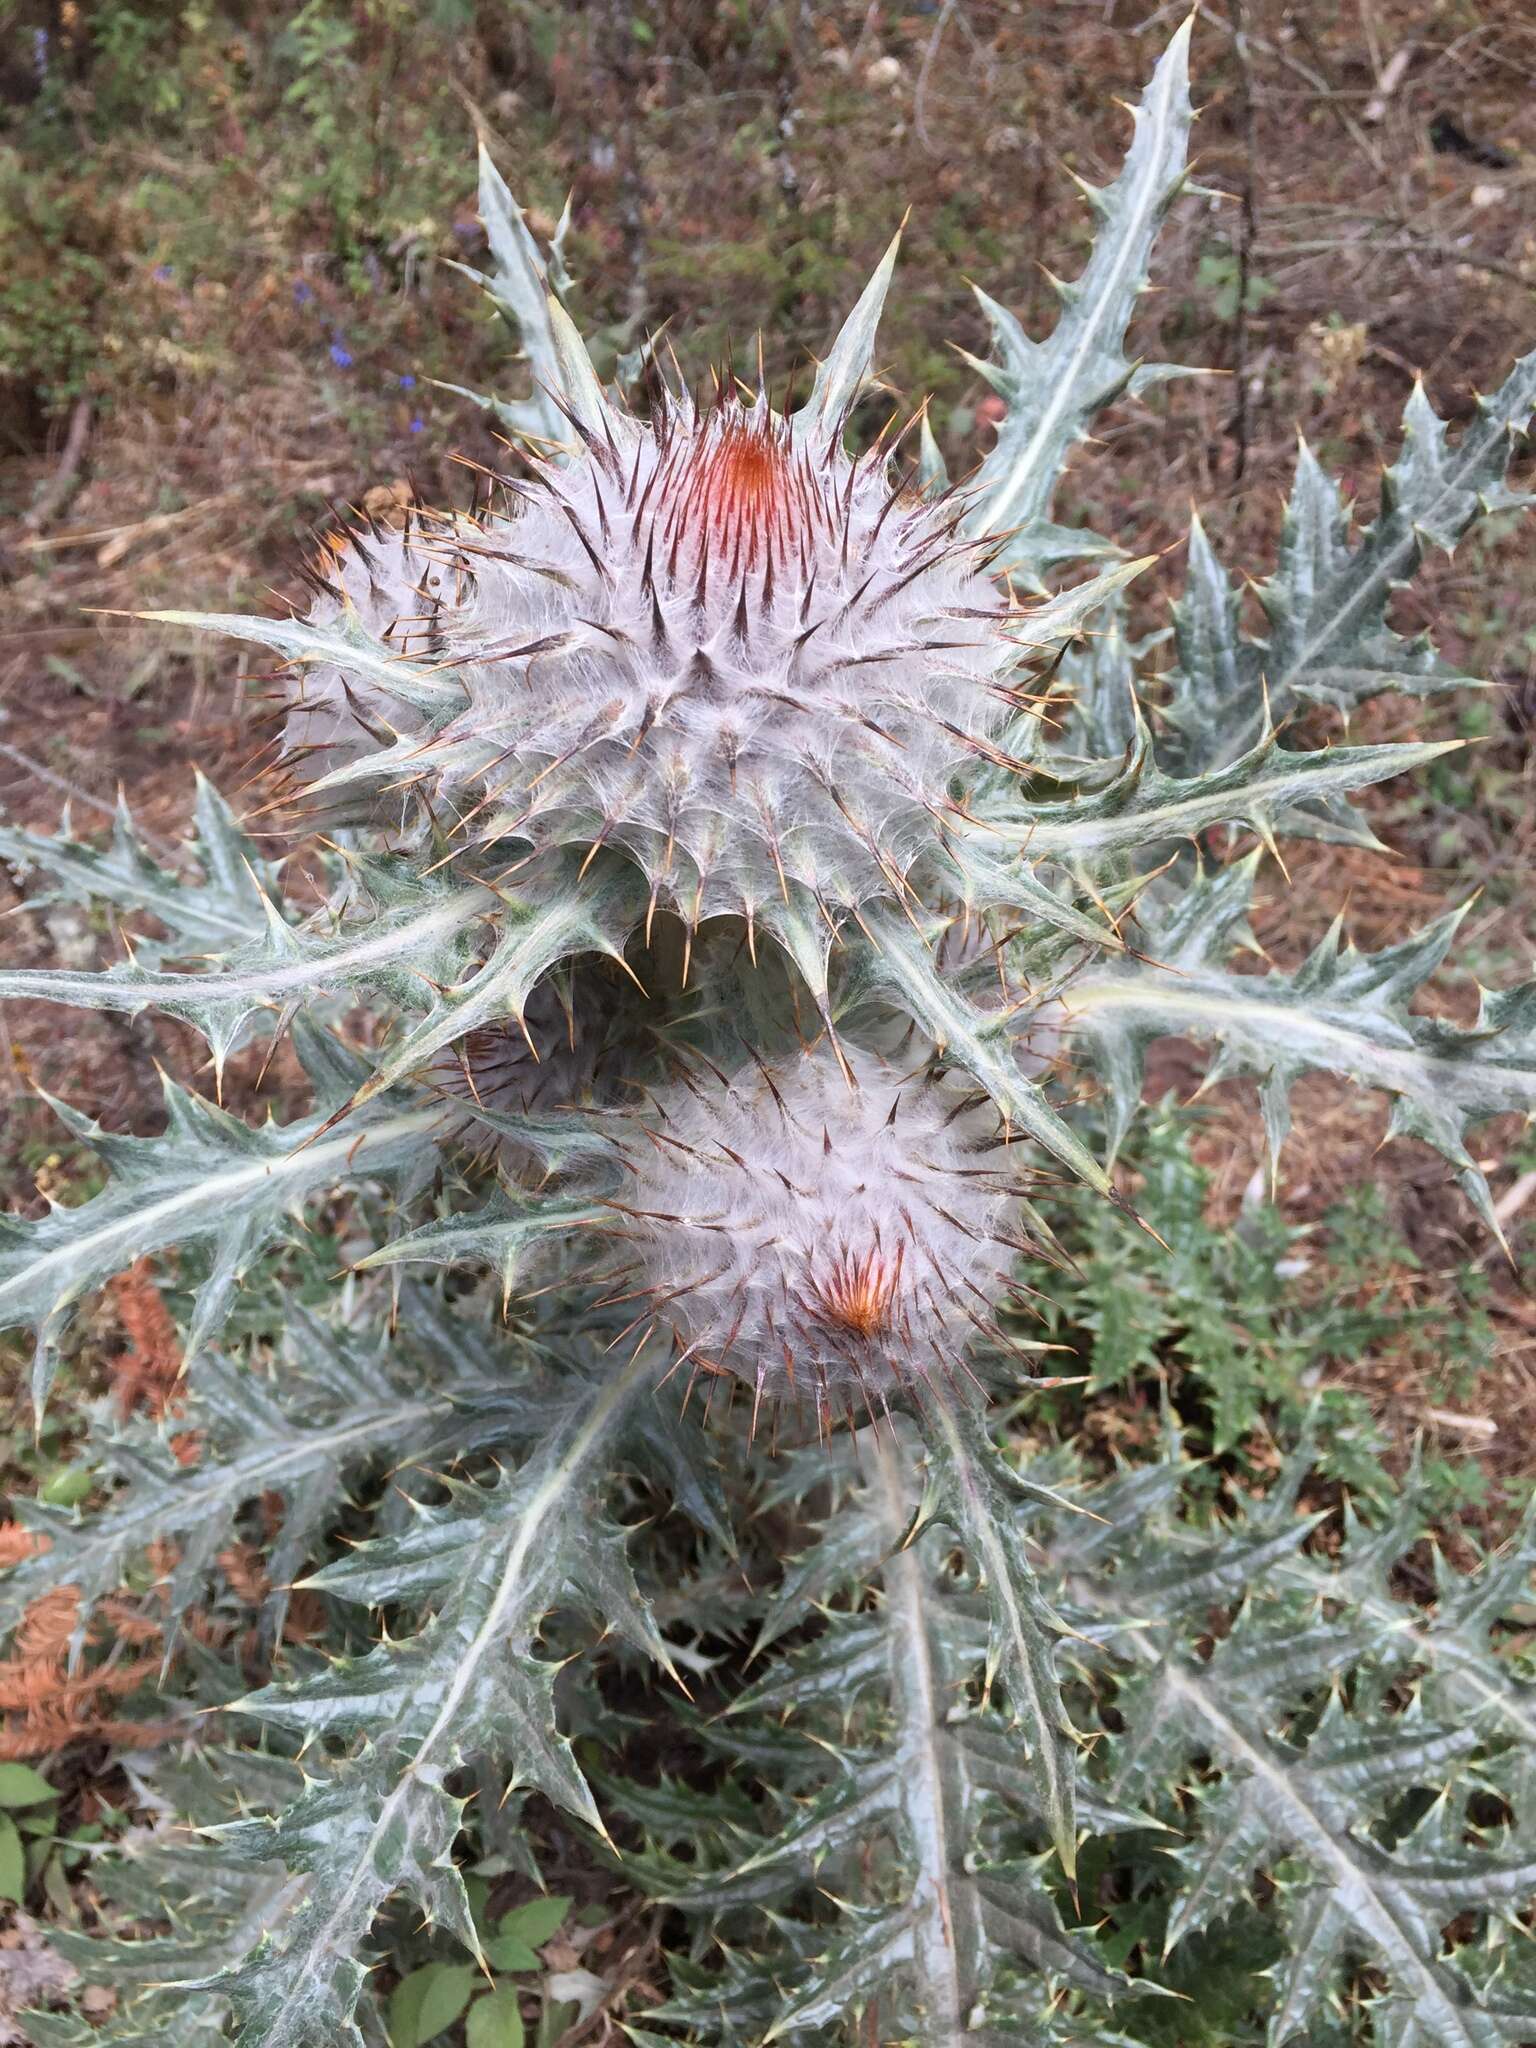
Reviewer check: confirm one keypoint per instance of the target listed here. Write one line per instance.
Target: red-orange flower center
(742, 489)
(858, 1292)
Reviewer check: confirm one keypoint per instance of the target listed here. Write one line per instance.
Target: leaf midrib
(218, 1194)
(1352, 1883)
(1145, 200)
(1204, 1001)
(558, 1480)
(920, 1786)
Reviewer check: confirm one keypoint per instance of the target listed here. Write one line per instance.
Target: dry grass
(62, 1685)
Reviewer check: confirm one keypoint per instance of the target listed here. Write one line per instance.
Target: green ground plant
(744, 859)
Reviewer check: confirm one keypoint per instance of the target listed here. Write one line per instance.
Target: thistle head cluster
(833, 1227)
(720, 643)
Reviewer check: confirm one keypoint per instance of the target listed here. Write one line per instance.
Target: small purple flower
(407, 382)
(163, 273)
(302, 293)
(40, 53)
(418, 424)
(341, 355)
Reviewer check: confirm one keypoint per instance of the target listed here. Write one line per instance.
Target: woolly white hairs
(389, 589)
(745, 657)
(505, 1071)
(583, 1043)
(818, 1238)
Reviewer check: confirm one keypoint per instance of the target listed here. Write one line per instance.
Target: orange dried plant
(146, 1376)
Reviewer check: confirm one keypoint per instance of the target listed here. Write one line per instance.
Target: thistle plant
(756, 866)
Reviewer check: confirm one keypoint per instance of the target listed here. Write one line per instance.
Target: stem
(926, 1796)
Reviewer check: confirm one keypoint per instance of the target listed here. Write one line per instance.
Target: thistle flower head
(811, 1230)
(714, 640)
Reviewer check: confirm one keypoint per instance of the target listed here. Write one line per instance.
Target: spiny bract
(836, 1230)
(749, 659)
(505, 1073)
(579, 1044)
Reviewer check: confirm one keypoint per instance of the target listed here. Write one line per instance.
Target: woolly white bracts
(746, 658)
(388, 588)
(822, 1234)
(509, 1071)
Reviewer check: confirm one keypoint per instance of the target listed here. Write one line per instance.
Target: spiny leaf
(416, 932)
(227, 904)
(899, 964)
(1387, 1905)
(1054, 388)
(1064, 615)
(1142, 805)
(207, 1179)
(383, 1820)
(962, 1943)
(571, 913)
(500, 1235)
(1466, 1673)
(1317, 1800)
(980, 1498)
(1102, 674)
(338, 1399)
(346, 643)
(843, 374)
(1341, 1012)
(519, 286)
(1328, 600)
